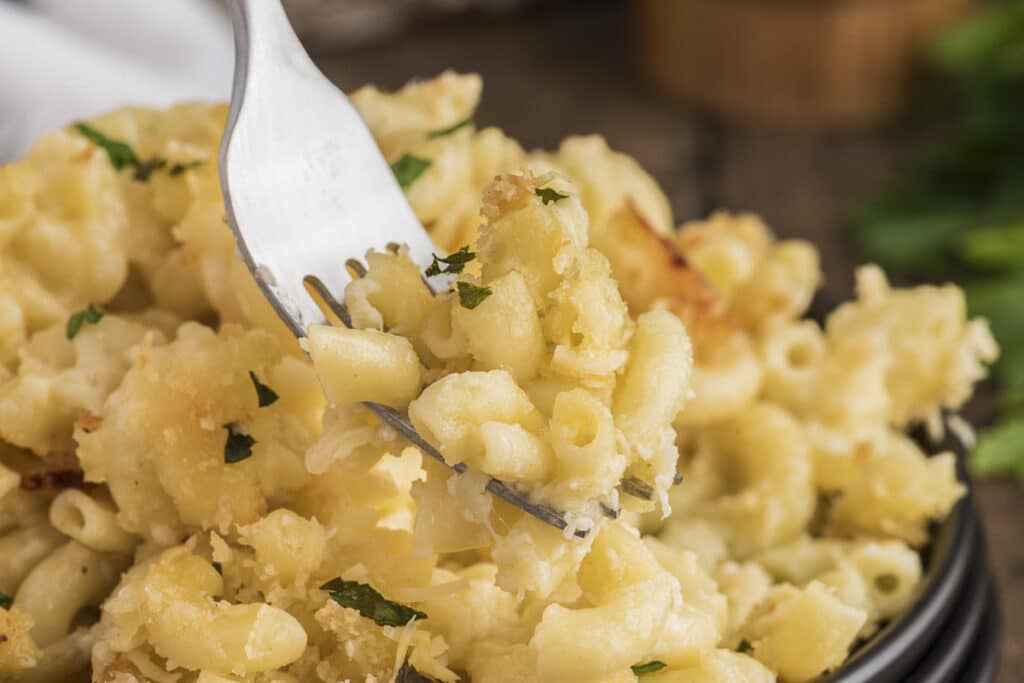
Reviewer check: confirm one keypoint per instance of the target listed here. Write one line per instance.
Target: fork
(305, 186)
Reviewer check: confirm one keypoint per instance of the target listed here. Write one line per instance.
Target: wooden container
(817, 63)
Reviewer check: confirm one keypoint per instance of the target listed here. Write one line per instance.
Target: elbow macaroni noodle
(178, 482)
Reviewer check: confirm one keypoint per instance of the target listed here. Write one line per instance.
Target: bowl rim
(983, 663)
(950, 652)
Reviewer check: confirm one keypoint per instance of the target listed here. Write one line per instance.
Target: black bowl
(982, 664)
(946, 657)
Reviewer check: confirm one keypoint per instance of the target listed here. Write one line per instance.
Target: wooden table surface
(561, 70)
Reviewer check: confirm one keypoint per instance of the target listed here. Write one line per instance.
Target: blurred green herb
(960, 206)
(458, 125)
(647, 667)
(408, 168)
(182, 166)
(549, 194)
(90, 314)
(120, 153)
(144, 169)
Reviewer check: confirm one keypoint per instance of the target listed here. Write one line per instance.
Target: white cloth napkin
(63, 60)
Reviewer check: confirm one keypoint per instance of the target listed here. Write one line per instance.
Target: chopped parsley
(90, 314)
(264, 394)
(370, 603)
(470, 295)
(120, 153)
(6, 601)
(181, 167)
(408, 168)
(144, 169)
(453, 263)
(648, 667)
(744, 647)
(548, 195)
(219, 567)
(238, 446)
(440, 133)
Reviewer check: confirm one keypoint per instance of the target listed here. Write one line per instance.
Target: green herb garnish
(238, 447)
(453, 263)
(89, 314)
(470, 295)
(648, 667)
(145, 169)
(6, 601)
(219, 567)
(264, 394)
(744, 647)
(120, 153)
(370, 603)
(180, 167)
(548, 195)
(440, 133)
(408, 168)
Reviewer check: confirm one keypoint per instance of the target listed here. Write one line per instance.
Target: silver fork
(305, 187)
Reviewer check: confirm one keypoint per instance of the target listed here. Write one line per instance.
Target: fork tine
(497, 487)
(325, 300)
(630, 485)
(541, 512)
(394, 419)
(637, 488)
(355, 268)
(399, 423)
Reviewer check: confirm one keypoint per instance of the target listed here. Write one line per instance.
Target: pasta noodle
(90, 522)
(67, 580)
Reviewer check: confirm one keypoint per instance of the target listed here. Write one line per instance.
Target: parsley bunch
(959, 208)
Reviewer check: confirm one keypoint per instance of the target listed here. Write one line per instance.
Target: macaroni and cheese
(188, 495)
